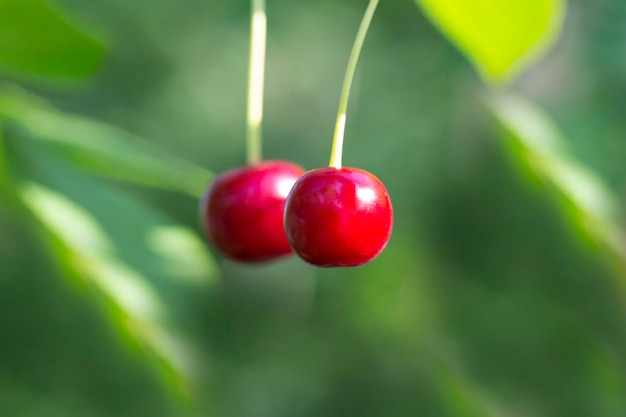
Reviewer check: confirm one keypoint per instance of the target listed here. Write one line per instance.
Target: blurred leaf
(140, 262)
(86, 254)
(500, 38)
(102, 149)
(36, 40)
(539, 145)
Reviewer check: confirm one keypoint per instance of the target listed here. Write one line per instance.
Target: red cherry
(242, 211)
(338, 217)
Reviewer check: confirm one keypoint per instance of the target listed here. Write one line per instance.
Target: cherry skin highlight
(338, 217)
(242, 211)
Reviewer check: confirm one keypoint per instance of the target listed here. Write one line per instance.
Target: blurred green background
(501, 292)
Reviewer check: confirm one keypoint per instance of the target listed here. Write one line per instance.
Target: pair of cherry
(328, 216)
(331, 216)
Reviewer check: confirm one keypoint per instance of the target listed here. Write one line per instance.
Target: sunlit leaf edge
(144, 331)
(524, 61)
(597, 212)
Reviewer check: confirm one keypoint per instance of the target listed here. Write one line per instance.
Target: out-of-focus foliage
(487, 302)
(499, 37)
(109, 152)
(126, 251)
(37, 41)
(539, 146)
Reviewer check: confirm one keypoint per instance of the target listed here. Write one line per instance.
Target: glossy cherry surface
(242, 211)
(338, 217)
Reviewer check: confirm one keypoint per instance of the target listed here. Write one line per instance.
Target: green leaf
(87, 254)
(499, 37)
(36, 40)
(540, 147)
(101, 148)
(145, 266)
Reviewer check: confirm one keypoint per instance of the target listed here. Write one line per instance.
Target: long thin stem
(337, 149)
(256, 74)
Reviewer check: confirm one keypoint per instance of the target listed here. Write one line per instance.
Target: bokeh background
(494, 296)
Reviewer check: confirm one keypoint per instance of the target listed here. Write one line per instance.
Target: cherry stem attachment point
(256, 74)
(337, 149)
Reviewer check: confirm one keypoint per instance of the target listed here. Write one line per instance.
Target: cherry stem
(256, 74)
(337, 149)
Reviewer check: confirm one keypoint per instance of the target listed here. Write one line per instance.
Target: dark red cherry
(242, 211)
(338, 217)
